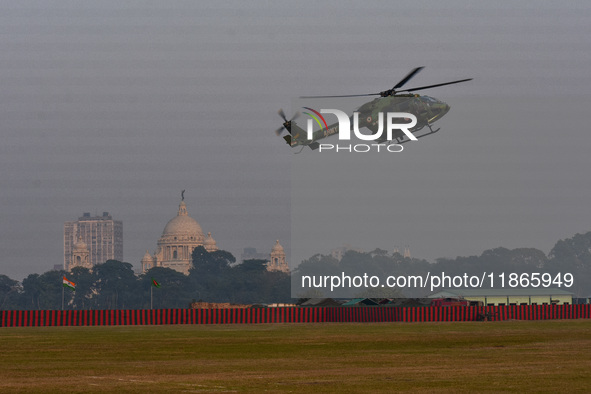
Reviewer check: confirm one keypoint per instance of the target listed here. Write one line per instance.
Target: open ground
(515, 356)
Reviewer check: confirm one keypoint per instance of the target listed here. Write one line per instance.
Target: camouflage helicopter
(426, 109)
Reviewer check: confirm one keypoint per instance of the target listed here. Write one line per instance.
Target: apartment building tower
(102, 235)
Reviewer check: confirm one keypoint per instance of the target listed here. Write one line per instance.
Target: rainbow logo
(315, 116)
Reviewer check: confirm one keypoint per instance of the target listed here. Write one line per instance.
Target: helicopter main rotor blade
(407, 78)
(434, 86)
(344, 95)
(393, 91)
(399, 84)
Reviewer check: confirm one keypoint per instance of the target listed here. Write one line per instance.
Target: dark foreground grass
(542, 356)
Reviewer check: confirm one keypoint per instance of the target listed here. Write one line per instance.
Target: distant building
(80, 255)
(101, 235)
(276, 260)
(181, 235)
(320, 302)
(252, 254)
(405, 254)
(361, 302)
(508, 296)
(217, 305)
(338, 253)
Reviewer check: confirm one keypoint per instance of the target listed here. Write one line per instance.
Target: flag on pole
(69, 284)
(154, 283)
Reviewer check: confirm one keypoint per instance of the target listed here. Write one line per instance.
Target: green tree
(573, 252)
(573, 256)
(210, 275)
(247, 282)
(174, 290)
(9, 293)
(32, 292)
(44, 291)
(115, 286)
(83, 295)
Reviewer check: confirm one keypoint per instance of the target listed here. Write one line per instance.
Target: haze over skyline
(118, 106)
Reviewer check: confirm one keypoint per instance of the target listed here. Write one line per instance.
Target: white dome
(183, 225)
(277, 247)
(209, 241)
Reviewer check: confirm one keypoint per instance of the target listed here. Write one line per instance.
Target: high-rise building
(102, 235)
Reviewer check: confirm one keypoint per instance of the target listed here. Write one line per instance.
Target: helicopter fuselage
(426, 109)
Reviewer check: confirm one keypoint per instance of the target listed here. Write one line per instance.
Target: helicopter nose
(439, 110)
(443, 108)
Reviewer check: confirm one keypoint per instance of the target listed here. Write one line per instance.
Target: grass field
(517, 356)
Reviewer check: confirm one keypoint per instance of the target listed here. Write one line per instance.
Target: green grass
(517, 356)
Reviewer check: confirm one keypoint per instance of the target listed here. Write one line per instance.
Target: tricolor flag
(69, 283)
(154, 283)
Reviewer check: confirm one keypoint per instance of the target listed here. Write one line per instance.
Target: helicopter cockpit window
(430, 99)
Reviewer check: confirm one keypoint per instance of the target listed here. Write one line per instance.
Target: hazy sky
(118, 106)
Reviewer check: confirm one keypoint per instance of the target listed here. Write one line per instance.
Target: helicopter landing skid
(431, 128)
(402, 141)
(300, 151)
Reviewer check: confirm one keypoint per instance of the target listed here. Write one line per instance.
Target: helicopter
(426, 109)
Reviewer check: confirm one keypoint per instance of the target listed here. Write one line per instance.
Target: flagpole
(62, 298)
(151, 289)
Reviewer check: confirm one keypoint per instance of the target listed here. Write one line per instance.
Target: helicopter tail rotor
(282, 114)
(286, 123)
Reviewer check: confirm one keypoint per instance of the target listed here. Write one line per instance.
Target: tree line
(113, 285)
(572, 255)
(215, 277)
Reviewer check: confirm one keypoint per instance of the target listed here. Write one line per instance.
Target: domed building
(278, 261)
(181, 235)
(147, 262)
(209, 244)
(79, 257)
